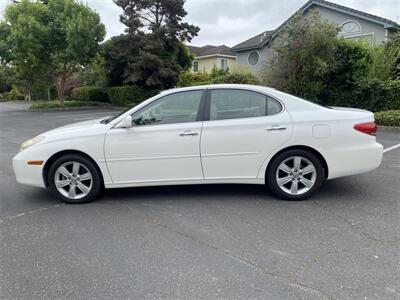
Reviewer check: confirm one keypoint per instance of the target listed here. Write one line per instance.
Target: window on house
(350, 28)
(195, 66)
(224, 64)
(253, 58)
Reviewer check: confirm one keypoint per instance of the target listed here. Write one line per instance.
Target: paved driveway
(206, 242)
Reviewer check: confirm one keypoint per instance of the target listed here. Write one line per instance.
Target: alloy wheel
(73, 180)
(296, 175)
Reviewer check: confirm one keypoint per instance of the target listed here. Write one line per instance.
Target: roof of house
(259, 42)
(211, 50)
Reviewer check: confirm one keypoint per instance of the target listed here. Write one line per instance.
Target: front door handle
(189, 133)
(276, 128)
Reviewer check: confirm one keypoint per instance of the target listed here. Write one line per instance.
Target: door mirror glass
(126, 123)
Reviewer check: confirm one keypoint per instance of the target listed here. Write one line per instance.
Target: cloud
(233, 21)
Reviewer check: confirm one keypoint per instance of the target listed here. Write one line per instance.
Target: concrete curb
(77, 108)
(388, 129)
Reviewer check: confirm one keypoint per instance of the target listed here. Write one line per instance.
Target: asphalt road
(196, 242)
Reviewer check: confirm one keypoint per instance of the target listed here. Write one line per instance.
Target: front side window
(176, 108)
(233, 104)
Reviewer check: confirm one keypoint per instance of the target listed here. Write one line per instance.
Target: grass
(388, 118)
(67, 104)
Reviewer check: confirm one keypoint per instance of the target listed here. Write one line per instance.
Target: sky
(230, 22)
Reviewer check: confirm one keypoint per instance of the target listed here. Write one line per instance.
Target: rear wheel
(295, 175)
(75, 179)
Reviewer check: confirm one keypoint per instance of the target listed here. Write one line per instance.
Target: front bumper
(28, 174)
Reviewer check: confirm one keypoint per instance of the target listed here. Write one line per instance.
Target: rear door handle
(276, 128)
(189, 133)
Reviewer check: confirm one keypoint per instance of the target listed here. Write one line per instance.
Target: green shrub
(369, 94)
(13, 95)
(90, 93)
(238, 78)
(67, 104)
(129, 95)
(191, 79)
(388, 118)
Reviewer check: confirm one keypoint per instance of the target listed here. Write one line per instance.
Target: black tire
(97, 185)
(272, 182)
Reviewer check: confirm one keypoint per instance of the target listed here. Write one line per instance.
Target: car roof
(220, 86)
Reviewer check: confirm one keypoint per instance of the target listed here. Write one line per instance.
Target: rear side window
(234, 104)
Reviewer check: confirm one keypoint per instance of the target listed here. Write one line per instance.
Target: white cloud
(233, 21)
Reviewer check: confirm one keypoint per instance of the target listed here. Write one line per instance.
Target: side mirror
(126, 123)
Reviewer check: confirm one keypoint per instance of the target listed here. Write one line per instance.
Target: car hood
(74, 127)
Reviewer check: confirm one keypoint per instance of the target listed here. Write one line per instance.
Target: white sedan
(202, 135)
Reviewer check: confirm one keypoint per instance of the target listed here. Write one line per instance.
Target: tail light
(367, 128)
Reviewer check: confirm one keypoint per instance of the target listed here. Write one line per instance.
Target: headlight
(31, 142)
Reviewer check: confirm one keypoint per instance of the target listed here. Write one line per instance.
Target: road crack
(291, 280)
(30, 212)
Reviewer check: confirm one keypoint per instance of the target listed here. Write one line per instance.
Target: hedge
(388, 118)
(90, 93)
(13, 95)
(129, 95)
(238, 78)
(370, 94)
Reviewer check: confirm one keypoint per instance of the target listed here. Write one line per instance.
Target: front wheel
(75, 179)
(295, 175)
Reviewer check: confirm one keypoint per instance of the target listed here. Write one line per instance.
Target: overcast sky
(233, 21)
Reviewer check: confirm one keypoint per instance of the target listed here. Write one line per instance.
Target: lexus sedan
(202, 135)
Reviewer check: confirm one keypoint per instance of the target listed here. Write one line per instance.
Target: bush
(369, 94)
(129, 95)
(191, 79)
(90, 93)
(13, 95)
(388, 118)
(67, 104)
(238, 78)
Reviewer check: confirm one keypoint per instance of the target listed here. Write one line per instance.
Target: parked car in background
(205, 134)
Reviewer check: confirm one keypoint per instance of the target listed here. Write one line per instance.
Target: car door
(164, 143)
(242, 128)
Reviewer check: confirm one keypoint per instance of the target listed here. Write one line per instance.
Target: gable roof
(256, 42)
(211, 50)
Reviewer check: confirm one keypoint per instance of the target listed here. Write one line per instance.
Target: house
(209, 57)
(255, 52)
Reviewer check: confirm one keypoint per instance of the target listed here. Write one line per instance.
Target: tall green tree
(54, 39)
(304, 54)
(151, 54)
(28, 43)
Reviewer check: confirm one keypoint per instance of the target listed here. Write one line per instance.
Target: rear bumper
(353, 160)
(28, 174)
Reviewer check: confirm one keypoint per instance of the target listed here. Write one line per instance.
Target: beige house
(209, 57)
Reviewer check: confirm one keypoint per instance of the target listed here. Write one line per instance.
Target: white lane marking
(391, 148)
(9, 218)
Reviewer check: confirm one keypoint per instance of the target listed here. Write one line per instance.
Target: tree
(28, 43)
(151, 54)
(157, 15)
(54, 39)
(305, 53)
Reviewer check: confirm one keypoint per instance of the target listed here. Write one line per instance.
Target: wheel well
(306, 148)
(57, 155)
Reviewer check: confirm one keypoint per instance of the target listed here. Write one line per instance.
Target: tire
(284, 173)
(74, 172)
